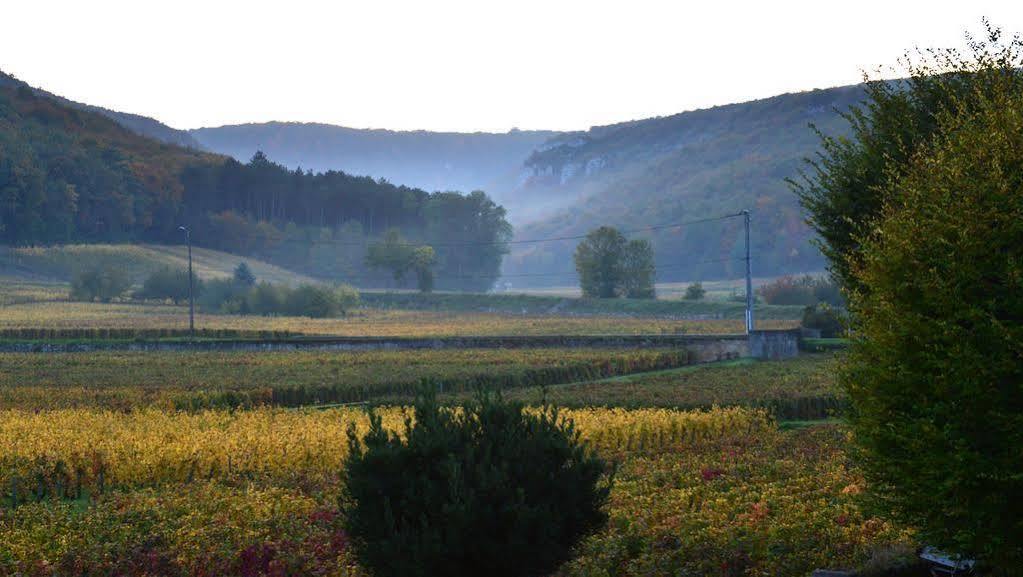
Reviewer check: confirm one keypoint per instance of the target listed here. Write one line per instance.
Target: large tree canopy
(936, 377)
(610, 266)
(845, 189)
(921, 215)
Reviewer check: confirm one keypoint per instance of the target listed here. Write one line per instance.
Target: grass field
(800, 388)
(362, 322)
(16, 290)
(199, 379)
(717, 290)
(63, 261)
(567, 306)
(138, 261)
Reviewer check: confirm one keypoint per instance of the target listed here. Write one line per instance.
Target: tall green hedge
(936, 371)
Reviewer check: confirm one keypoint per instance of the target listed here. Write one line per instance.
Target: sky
(452, 65)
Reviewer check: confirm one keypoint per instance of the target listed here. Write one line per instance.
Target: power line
(565, 274)
(633, 231)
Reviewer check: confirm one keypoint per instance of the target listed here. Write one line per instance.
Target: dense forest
(73, 175)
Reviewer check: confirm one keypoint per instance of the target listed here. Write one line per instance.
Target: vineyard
(193, 380)
(228, 463)
(255, 492)
(362, 322)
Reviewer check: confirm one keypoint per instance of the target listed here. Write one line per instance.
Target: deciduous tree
(935, 376)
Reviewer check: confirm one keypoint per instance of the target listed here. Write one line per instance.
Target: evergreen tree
(243, 276)
(490, 489)
(695, 292)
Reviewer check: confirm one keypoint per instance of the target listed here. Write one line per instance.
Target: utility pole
(749, 278)
(191, 289)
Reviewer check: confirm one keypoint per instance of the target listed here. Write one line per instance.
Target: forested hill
(70, 174)
(681, 168)
(141, 125)
(428, 160)
(632, 175)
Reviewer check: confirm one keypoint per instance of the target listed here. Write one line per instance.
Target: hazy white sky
(460, 65)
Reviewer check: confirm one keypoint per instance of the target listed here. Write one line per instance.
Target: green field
(80, 318)
(573, 306)
(61, 263)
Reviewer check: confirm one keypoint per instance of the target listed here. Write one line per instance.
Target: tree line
(327, 224)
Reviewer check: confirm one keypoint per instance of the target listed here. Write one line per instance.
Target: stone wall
(704, 348)
(774, 344)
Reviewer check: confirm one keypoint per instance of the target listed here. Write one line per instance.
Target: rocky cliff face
(560, 161)
(679, 168)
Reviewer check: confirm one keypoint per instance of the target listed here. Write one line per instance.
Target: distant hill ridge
(423, 159)
(72, 175)
(141, 125)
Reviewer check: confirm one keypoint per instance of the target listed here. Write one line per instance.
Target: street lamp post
(749, 277)
(191, 290)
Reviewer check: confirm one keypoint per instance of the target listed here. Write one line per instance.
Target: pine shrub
(487, 489)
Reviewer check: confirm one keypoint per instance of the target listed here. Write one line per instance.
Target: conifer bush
(486, 489)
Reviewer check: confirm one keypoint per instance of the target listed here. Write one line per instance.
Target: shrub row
(806, 290)
(804, 408)
(333, 393)
(307, 300)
